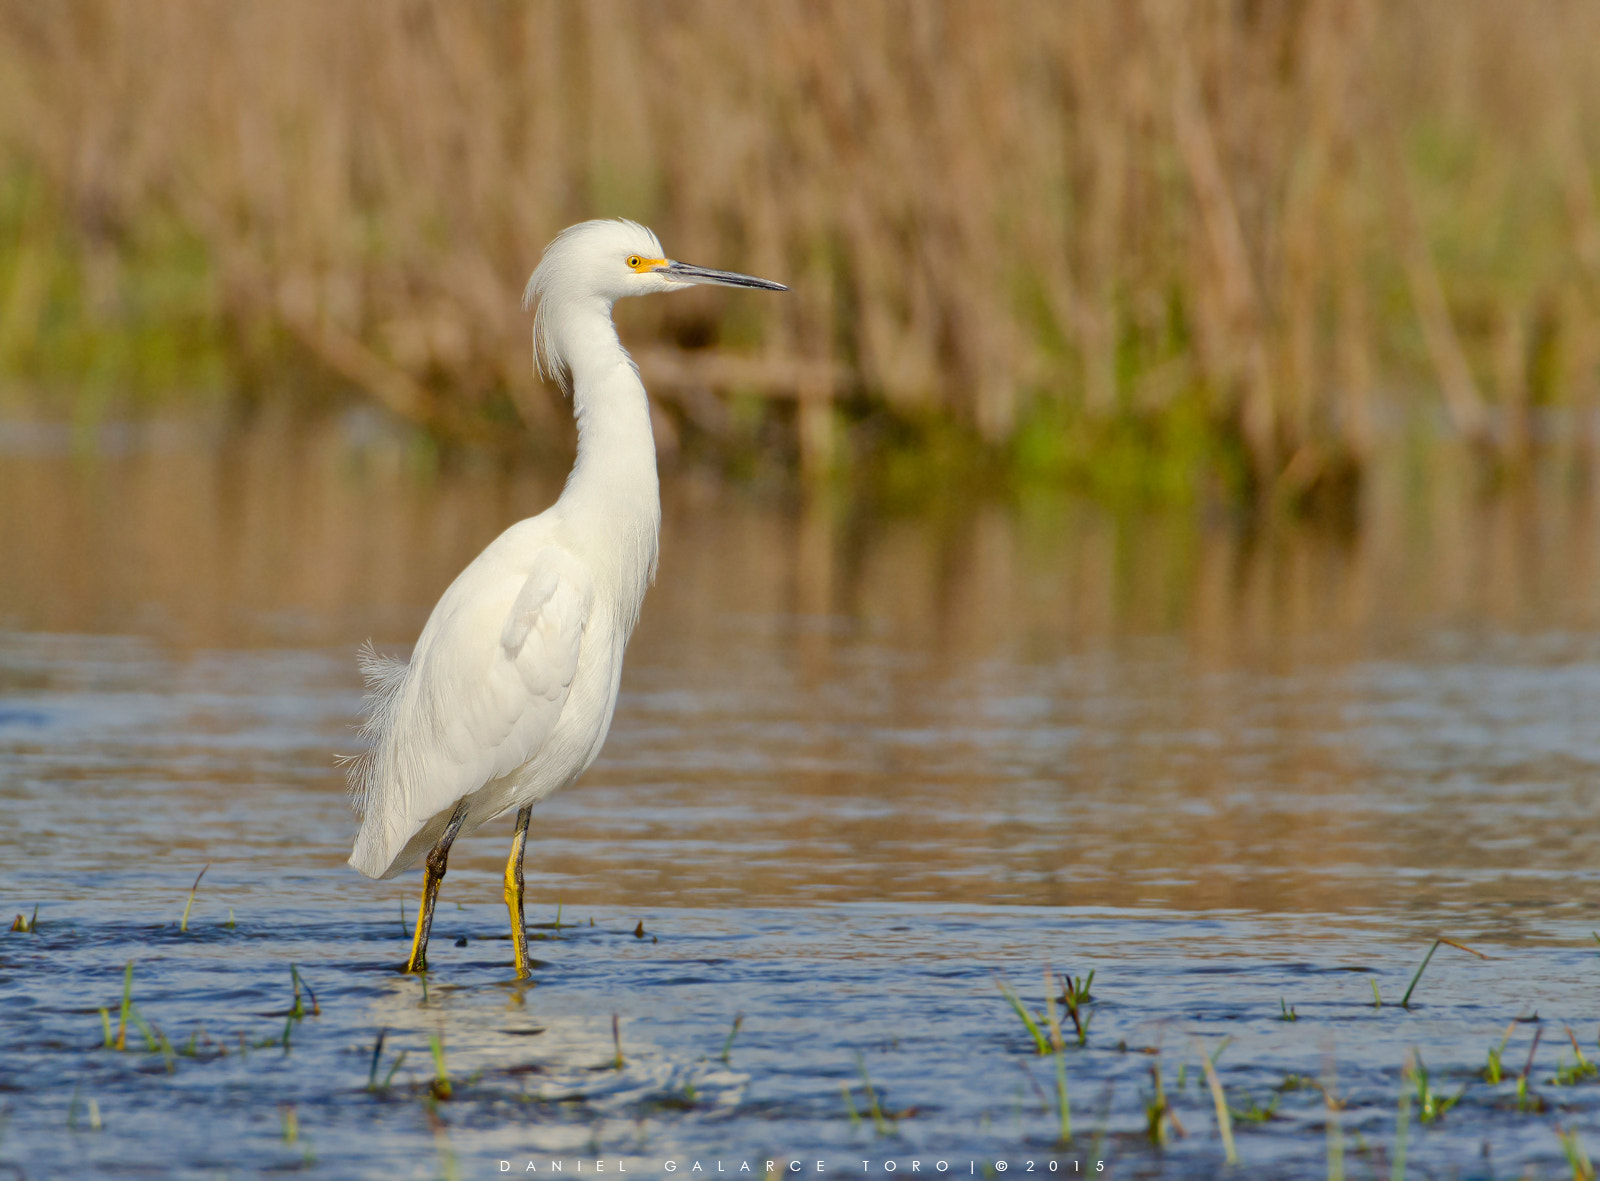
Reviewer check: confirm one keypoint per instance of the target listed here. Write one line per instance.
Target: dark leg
(432, 875)
(519, 929)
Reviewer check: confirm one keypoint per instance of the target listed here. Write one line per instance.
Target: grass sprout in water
(1160, 1120)
(1580, 1071)
(1430, 1104)
(1219, 1102)
(183, 924)
(1405, 1001)
(1529, 1100)
(1577, 1158)
(1492, 1072)
(441, 1087)
(501, 1058)
(883, 1121)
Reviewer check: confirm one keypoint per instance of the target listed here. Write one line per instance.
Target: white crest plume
(567, 264)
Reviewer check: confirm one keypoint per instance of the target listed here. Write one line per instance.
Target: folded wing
(484, 691)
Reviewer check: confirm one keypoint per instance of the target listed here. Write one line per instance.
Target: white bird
(510, 688)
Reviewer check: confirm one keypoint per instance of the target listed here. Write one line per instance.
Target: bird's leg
(519, 929)
(432, 875)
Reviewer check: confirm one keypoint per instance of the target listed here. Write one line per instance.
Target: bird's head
(613, 259)
(607, 260)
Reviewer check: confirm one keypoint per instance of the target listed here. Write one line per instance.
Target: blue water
(128, 767)
(863, 771)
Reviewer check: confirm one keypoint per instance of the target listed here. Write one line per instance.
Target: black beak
(685, 273)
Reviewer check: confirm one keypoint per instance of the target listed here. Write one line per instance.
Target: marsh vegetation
(1170, 250)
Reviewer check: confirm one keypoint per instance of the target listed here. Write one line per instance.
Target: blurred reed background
(1155, 245)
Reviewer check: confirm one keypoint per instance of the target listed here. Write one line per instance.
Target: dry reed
(1282, 215)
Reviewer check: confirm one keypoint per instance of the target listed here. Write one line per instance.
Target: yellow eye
(633, 261)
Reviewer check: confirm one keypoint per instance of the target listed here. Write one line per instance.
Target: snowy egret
(510, 688)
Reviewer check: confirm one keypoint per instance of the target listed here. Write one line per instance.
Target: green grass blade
(1063, 1102)
(377, 1053)
(1397, 1171)
(1405, 1001)
(1039, 1040)
(394, 1070)
(184, 925)
(1224, 1117)
(727, 1046)
(127, 1005)
(441, 1077)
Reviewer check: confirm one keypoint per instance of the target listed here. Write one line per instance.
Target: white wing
(485, 688)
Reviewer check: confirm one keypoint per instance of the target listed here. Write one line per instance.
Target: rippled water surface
(865, 767)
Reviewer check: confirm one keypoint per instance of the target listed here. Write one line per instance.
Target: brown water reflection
(1040, 702)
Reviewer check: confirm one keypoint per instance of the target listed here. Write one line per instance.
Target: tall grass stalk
(1063, 1102)
(441, 1087)
(1041, 1044)
(127, 1007)
(1405, 1001)
(183, 925)
(377, 1054)
(1224, 1116)
(1335, 1132)
(1493, 1071)
(1397, 1170)
(1581, 1070)
(733, 1032)
(1577, 1158)
(298, 1009)
(880, 1122)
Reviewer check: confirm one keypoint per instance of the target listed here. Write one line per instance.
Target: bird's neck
(612, 500)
